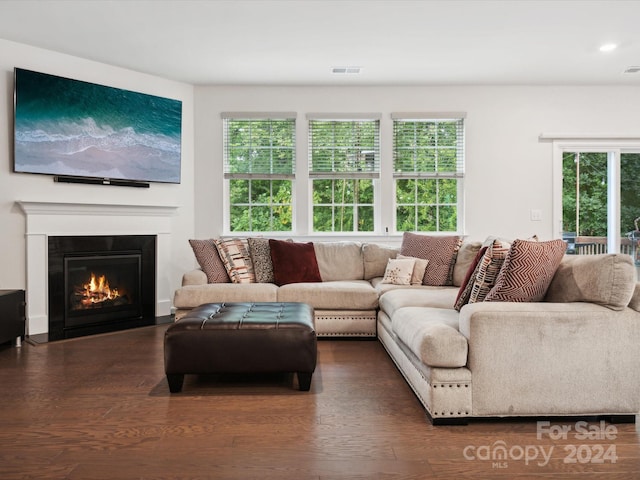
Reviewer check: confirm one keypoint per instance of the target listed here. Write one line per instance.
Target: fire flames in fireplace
(98, 293)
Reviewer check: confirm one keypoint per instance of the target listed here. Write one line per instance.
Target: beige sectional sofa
(574, 354)
(345, 302)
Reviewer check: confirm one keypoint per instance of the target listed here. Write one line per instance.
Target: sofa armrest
(552, 358)
(194, 277)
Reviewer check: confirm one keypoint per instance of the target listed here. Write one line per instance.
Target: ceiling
(297, 42)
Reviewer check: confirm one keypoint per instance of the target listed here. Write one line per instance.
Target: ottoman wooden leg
(175, 382)
(304, 381)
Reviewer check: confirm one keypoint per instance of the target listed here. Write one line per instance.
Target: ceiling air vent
(345, 70)
(632, 69)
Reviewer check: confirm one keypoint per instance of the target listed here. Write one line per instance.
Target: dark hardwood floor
(99, 408)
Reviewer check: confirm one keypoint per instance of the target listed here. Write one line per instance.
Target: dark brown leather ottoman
(242, 338)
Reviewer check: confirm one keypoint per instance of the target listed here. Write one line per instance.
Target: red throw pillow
(294, 262)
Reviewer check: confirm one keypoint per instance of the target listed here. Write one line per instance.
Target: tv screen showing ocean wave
(69, 127)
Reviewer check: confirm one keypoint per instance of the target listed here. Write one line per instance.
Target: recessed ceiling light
(345, 70)
(608, 47)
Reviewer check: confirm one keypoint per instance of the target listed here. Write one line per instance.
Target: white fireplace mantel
(45, 219)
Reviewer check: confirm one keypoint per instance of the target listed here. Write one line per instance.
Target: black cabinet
(12, 316)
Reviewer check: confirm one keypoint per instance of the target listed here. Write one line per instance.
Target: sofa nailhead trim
(450, 385)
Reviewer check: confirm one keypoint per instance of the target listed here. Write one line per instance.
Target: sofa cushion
(208, 258)
(488, 269)
(234, 253)
(338, 295)
(418, 296)
(399, 271)
(192, 296)
(464, 260)
(441, 251)
(419, 267)
(432, 335)
(607, 279)
(375, 259)
(339, 260)
(293, 262)
(527, 271)
(195, 277)
(634, 303)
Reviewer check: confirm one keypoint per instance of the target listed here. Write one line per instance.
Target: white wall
(40, 188)
(508, 169)
(508, 172)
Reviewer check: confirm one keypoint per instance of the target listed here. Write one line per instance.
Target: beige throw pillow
(399, 271)
(418, 269)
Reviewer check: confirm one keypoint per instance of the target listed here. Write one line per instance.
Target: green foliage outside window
(259, 163)
(428, 205)
(426, 152)
(343, 205)
(584, 196)
(260, 205)
(344, 163)
(584, 193)
(629, 191)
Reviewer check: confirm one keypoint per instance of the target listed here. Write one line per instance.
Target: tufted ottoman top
(248, 316)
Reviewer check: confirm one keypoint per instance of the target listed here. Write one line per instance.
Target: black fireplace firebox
(100, 284)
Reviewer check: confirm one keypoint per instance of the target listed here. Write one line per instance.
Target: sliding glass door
(584, 201)
(600, 200)
(630, 204)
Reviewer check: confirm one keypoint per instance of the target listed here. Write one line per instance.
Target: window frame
(614, 147)
(251, 176)
(318, 175)
(458, 174)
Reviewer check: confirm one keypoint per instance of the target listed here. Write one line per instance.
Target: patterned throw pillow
(234, 253)
(467, 284)
(488, 270)
(209, 260)
(527, 271)
(261, 258)
(419, 268)
(399, 271)
(441, 251)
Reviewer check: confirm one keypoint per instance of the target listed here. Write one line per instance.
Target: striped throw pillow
(234, 253)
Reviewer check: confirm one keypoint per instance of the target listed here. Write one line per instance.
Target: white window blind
(259, 146)
(428, 147)
(344, 147)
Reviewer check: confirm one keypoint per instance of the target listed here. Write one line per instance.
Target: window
(596, 183)
(259, 165)
(586, 203)
(428, 167)
(344, 166)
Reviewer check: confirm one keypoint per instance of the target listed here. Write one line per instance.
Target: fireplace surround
(100, 283)
(44, 219)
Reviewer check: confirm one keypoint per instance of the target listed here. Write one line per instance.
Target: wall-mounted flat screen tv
(77, 129)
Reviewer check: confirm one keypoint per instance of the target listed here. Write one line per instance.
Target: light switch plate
(536, 215)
